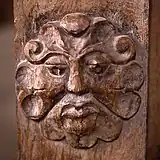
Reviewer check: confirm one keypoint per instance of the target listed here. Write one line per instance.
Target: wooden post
(153, 145)
(81, 79)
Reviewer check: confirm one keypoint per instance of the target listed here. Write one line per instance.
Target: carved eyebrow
(50, 53)
(46, 56)
(56, 59)
(64, 53)
(90, 48)
(54, 53)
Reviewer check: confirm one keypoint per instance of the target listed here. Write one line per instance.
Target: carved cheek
(37, 89)
(124, 105)
(53, 84)
(24, 77)
(102, 84)
(56, 86)
(44, 80)
(31, 78)
(131, 77)
(104, 87)
(39, 78)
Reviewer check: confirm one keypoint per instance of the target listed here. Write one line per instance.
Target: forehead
(75, 34)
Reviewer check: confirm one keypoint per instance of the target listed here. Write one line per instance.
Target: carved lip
(72, 112)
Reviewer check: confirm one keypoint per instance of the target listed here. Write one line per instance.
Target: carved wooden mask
(80, 80)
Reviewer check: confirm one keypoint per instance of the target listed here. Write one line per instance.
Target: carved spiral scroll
(125, 49)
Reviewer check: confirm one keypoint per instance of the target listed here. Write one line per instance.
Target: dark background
(6, 11)
(8, 147)
(8, 140)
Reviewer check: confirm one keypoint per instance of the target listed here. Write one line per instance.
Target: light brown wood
(131, 15)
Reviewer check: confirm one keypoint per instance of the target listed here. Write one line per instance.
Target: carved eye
(57, 70)
(97, 63)
(97, 68)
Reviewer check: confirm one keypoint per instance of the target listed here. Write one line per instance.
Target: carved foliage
(80, 80)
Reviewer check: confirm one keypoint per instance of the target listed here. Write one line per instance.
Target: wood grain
(131, 145)
(153, 150)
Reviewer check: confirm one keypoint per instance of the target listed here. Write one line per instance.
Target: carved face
(80, 80)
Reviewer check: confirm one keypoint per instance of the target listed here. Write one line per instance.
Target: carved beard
(82, 120)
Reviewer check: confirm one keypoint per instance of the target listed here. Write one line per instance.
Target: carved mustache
(36, 106)
(79, 112)
(78, 106)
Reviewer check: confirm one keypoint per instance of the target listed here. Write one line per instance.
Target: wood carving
(80, 79)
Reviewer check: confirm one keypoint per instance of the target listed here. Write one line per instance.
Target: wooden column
(81, 79)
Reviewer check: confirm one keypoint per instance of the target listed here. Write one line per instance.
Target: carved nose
(38, 81)
(39, 85)
(75, 83)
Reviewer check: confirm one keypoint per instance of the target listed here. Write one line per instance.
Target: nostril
(78, 91)
(85, 91)
(39, 89)
(75, 86)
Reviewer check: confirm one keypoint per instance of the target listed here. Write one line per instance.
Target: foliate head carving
(80, 80)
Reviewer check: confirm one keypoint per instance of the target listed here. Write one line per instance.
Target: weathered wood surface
(131, 144)
(153, 149)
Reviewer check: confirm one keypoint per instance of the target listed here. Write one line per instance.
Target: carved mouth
(73, 112)
(79, 120)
